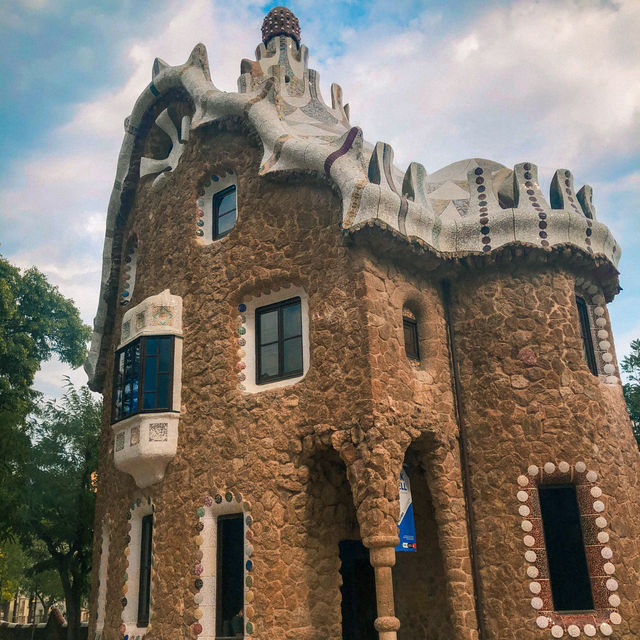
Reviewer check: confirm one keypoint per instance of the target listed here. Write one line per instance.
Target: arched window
(410, 329)
(224, 211)
(585, 334)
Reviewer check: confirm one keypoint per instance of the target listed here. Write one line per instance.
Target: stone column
(382, 555)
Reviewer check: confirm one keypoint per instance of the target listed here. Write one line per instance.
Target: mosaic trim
(600, 329)
(214, 505)
(241, 341)
(135, 633)
(204, 205)
(596, 539)
(129, 278)
(483, 209)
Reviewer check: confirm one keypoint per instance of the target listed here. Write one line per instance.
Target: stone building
(287, 321)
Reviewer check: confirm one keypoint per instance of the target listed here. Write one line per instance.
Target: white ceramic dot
(609, 368)
(598, 299)
(573, 630)
(612, 584)
(536, 603)
(615, 617)
(589, 630)
(579, 281)
(603, 537)
(581, 467)
(530, 541)
(533, 470)
(598, 506)
(601, 322)
(535, 588)
(564, 467)
(596, 492)
(606, 553)
(603, 334)
(605, 345)
(592, 476)
(614, 600)
(601, 522)
(549, 467)
(599, 311)
(523, 481)
(532, 572)
(607, 357)
(526, 526)
(557, 631)
(611, 380)
(530, 556)
(523, 496)
(592, 289)
(609, 568)
(542, 622)
(524, 510)
(197, 598)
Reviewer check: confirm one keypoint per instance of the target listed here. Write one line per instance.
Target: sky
(553, 82)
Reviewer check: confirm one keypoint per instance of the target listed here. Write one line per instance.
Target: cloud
(548, 81)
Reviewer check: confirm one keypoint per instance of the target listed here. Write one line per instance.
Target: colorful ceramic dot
(242, 342)
(248, 581)
(218, 498)
(228, 496)
(200, 512)
(242, 308)
(249, 565)
(199, 526)
(123, 602)
(249, 521)
(198, 569)
(208, 501)
(242, 331)
(197, 583)
(249, 627)
(197, 628)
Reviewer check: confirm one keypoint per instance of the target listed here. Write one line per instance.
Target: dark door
(358, 592)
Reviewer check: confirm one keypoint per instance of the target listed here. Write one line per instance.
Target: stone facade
(501, 386)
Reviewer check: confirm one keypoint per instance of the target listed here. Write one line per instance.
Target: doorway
(358, 590)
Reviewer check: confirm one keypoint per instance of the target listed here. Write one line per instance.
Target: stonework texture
(501, 384)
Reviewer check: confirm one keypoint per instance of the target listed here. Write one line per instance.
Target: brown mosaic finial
(280, 21)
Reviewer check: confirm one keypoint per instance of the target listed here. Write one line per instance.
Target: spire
(280, 21)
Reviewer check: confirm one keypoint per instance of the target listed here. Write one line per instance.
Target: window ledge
(144, 445)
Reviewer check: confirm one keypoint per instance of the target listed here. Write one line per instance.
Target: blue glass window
(279, 341)
(224, 212)
(143, 378)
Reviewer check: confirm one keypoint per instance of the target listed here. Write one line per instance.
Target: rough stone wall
(529, 398)
(419, 583)
(286, 234)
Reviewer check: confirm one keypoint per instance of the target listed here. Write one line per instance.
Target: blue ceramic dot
(215, 178)
(249, 521)
(249, 565)
(242, 308)
(200, 223)
(125, 294)
(241, 330)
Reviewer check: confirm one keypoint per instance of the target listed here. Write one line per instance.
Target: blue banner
(406, 526)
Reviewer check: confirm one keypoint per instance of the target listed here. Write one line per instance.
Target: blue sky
(554, 82)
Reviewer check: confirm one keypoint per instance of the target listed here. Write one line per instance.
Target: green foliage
(35, 322)
(631, 366)
(58, 494)
(12, 566)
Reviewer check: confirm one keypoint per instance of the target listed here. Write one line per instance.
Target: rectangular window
(230, 577)
(585, 334)
(143, 379)
(224, 211)
(144, 588)
(411, 338)
(568, 570)
(279, 341)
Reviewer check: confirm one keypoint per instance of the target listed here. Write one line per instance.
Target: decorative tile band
(137, 510)
(204, 570)
(598, 552)
(601, 330)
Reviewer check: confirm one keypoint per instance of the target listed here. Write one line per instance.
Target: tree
(631, 366)
(58, 491)
(12, 562)
(35, 322)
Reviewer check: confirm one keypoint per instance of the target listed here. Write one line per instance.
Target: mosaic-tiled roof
(474, 206)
